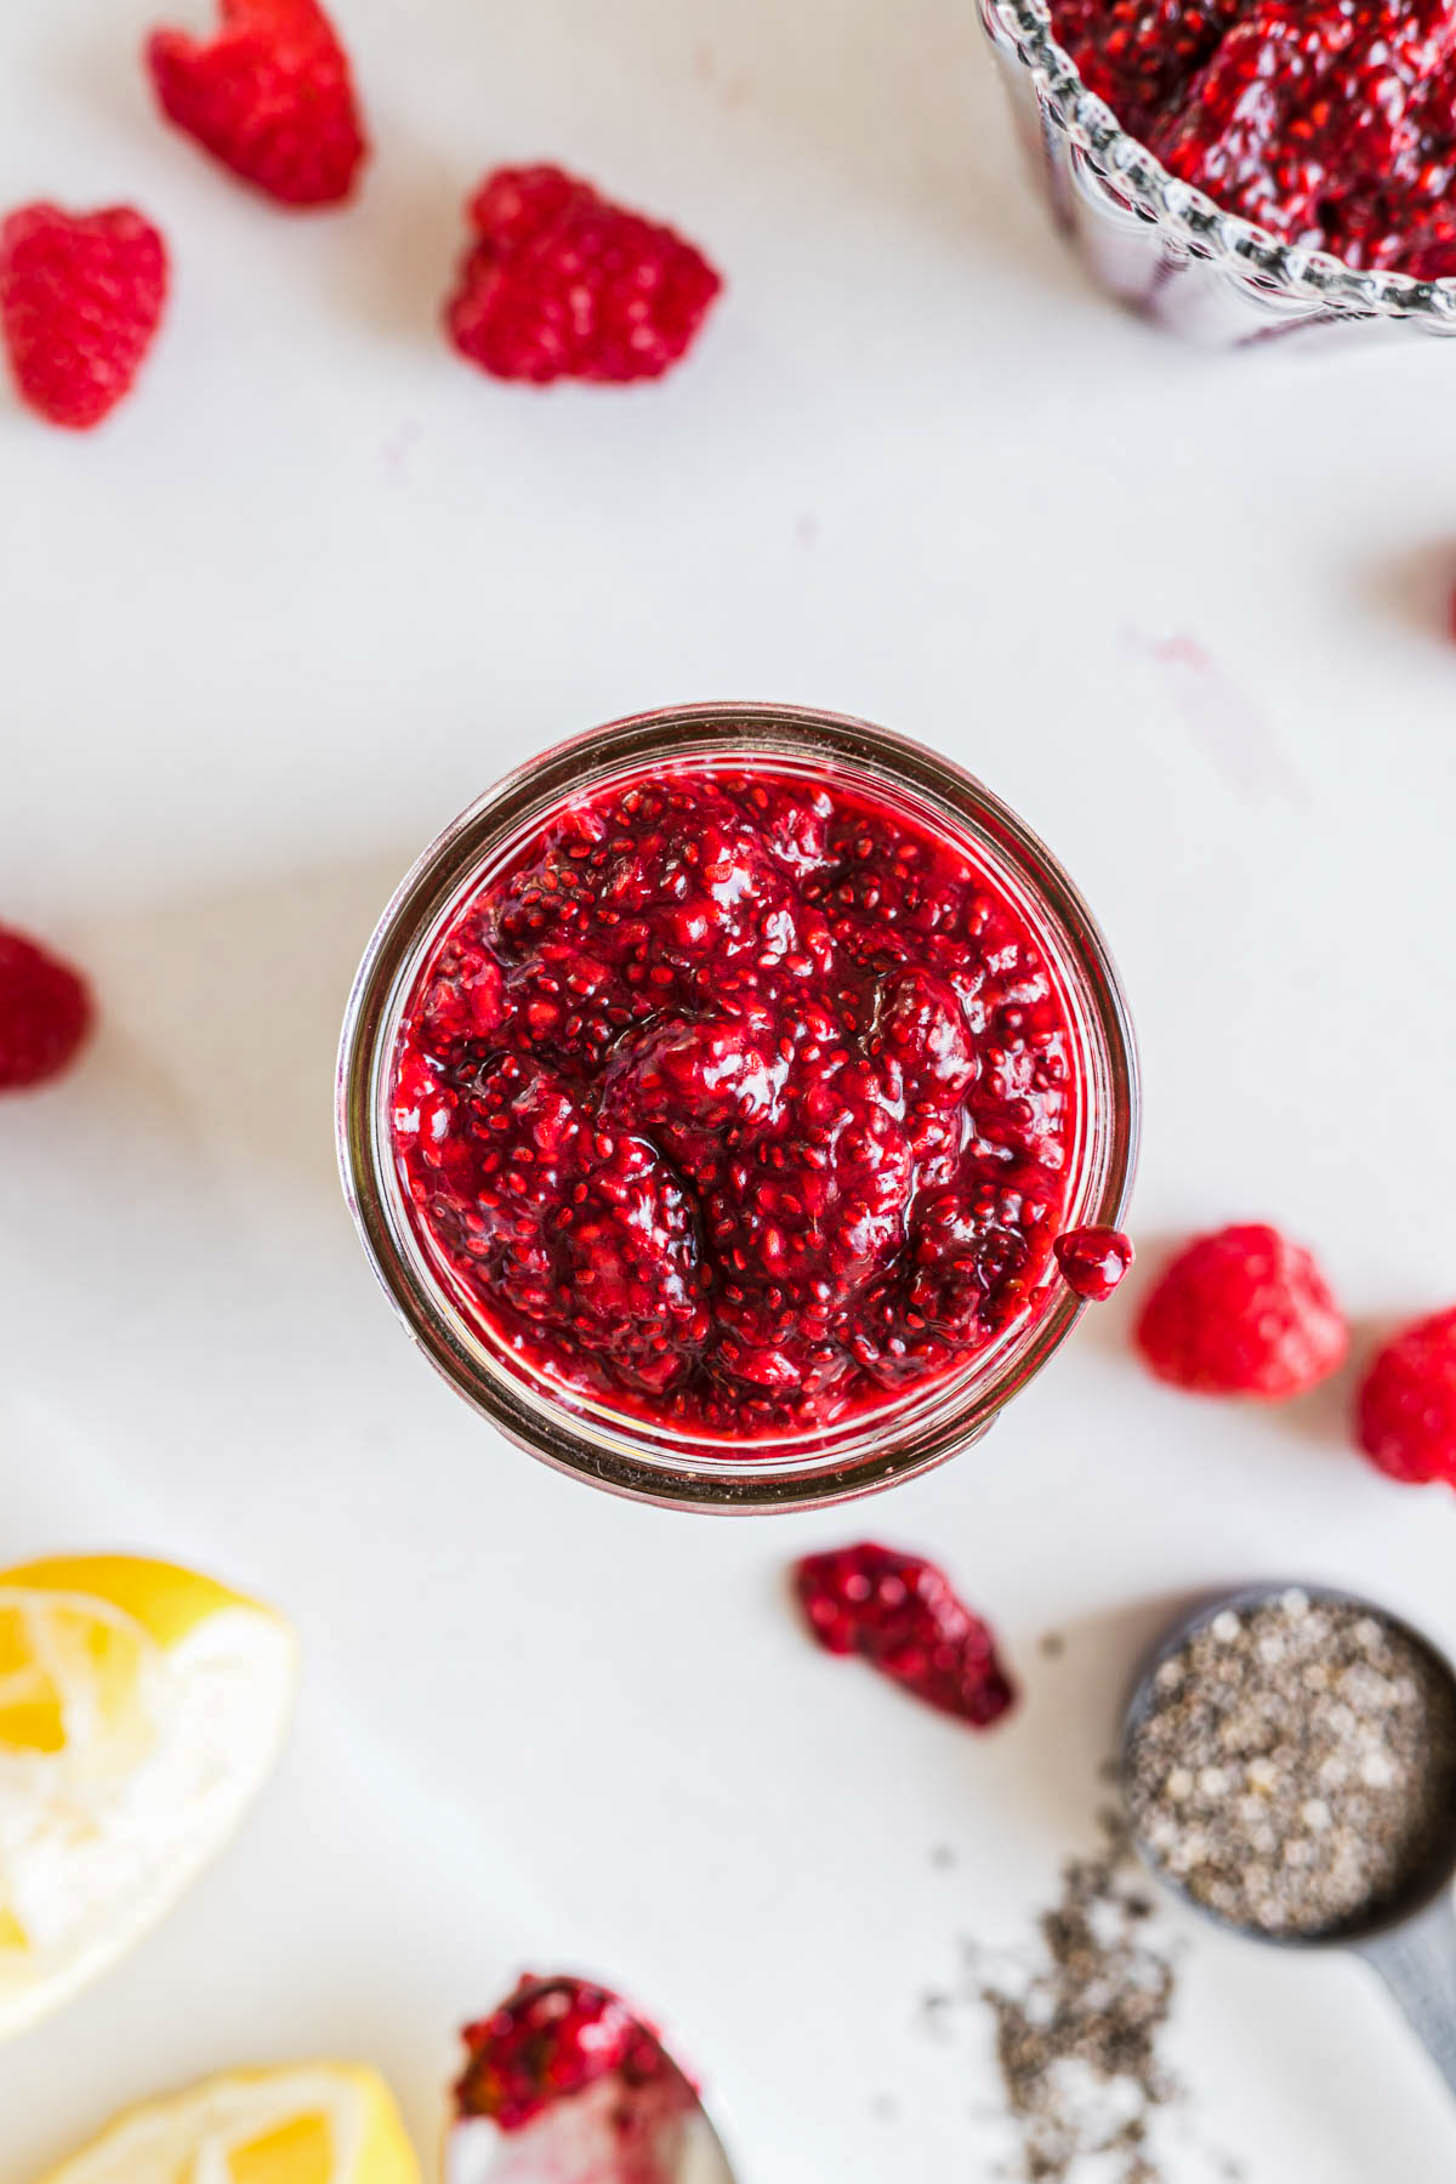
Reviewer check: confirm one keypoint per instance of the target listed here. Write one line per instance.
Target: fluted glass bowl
(1161, 246)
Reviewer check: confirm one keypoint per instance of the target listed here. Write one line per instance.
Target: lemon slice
(141, 1707)
(313, 2123)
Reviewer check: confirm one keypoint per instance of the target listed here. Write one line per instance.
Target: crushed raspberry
(81, 298)
(737, 1105)
(1140, 57)
(1093, 1261)
(1406, 1409)
(630, 1263)
(1242, 1312)
(550, 2040)
(271, 96)
(559, 284)
(1332, 124)
(45, 1013)
(906, 1619)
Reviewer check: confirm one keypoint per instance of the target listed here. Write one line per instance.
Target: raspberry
(496, 1159)
(1406, 1410)
(702, 1087)
(964, 1248)
(813, 1213)
(1242, 1312)
(45, 1013)
(81, 298)
(563, 285)
(549, 2040)
(628, 1258)
(924, 1029)
(271, 96)
(906, 1619)
(1093, 1261)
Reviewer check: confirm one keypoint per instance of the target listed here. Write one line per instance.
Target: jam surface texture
(738, 1100)
(549, 2041)
(1332, 124)
(1093, 1261)
(565, 2066)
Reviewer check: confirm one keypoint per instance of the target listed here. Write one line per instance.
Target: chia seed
(1295, 1769)
(1078, 2039)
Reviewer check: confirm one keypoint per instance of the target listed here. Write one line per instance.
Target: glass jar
(660, 1462)
(1161, 246)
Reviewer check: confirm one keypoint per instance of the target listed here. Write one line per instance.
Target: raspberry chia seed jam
(728, 1100)
(1331, 124)
(1240, 171)
(563, 2067)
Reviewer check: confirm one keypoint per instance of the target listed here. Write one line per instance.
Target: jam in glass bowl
(712, 1095)
(1239, 170)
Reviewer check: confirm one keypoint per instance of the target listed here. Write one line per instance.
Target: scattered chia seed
(1052, 1646)
(1077, 2038)
(1295, 1769)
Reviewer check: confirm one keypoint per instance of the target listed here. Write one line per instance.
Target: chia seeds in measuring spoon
(1291, 1765)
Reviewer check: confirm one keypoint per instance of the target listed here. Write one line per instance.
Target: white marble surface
(311, 591)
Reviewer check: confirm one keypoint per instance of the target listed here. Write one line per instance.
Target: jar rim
(1127, 167)
(634, 1457)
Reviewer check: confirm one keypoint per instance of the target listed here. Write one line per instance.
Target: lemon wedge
(141, 1707)
(312, 2123)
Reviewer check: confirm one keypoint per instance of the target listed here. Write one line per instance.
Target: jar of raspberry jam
(1237, 170)
(712, 1094)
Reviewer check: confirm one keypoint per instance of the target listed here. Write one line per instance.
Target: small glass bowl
(661, 1463)
(1161, 246)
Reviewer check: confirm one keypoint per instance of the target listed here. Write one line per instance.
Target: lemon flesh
(141, 1708)
(314, 2123)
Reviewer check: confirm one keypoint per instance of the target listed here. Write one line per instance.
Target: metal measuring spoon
(1409, 1939)
(572, 2144)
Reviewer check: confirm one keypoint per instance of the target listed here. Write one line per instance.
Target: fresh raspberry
(45, 1013)
(81, 298)
(1093, 1261)
(271, 96)
(550, 2039)
(1406, 1410)
(1242, 1312)
(563, 285)
(905, 1617)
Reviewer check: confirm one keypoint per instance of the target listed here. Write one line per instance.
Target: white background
(308, 593)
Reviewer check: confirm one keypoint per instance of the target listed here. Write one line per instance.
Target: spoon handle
(1417, 1961)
